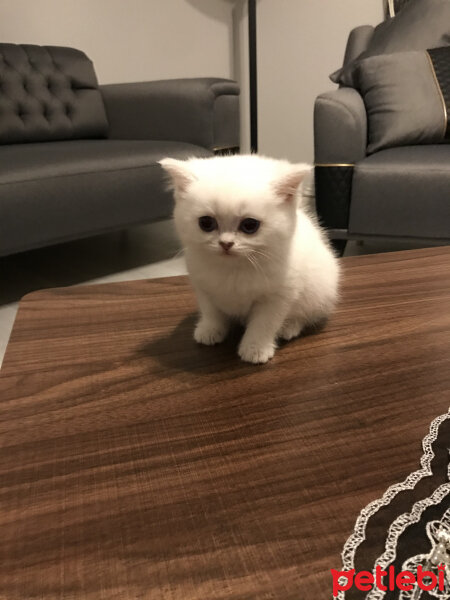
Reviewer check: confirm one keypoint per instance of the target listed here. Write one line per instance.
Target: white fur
(274, 281)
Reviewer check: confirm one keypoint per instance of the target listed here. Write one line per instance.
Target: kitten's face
(231, 217)
(229, 225)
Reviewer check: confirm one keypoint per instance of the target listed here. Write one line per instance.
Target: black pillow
(421, 24)
(407, 97)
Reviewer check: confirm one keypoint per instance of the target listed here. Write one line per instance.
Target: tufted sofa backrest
(48, 93)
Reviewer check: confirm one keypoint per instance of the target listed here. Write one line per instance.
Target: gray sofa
(399, 192)
(78, 159)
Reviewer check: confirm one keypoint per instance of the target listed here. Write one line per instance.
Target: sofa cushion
(407, 97)
(419, 25)
(58, 191)
(402, 192)
(48, 93)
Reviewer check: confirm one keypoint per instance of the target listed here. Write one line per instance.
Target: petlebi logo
(389, 580)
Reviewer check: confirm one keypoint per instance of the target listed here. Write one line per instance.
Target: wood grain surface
(135, 464)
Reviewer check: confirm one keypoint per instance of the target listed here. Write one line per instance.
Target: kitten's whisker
(270, 257)
(262, 252)
(253, 260)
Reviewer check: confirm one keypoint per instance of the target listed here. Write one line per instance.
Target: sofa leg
(338, 246)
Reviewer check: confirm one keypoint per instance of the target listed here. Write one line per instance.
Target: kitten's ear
(179, 173)
(286, 186)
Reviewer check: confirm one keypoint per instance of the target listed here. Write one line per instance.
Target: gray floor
(140, 253)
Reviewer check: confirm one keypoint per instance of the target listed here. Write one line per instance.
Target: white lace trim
(412, 563)
(359, 532)
(398, 527)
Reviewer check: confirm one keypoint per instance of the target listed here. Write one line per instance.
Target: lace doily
(409, 483)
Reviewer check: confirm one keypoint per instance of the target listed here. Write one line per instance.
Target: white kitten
(252, 253)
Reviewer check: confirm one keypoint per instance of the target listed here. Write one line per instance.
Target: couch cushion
(48, 93)
(421, 24)
(407, 97)
(403, 192)
(58, 191)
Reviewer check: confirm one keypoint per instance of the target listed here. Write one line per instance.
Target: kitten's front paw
(256, 353)
(210, 333)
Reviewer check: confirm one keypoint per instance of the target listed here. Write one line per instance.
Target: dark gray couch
(401, 192)
(78, 159)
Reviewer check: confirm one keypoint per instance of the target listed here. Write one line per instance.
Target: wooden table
(135, 464)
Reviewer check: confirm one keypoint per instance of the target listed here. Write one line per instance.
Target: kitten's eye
(249, 225)
(207, 224)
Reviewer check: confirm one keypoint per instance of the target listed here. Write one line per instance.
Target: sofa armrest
(201, 111)
(340, 140)
(340, 127)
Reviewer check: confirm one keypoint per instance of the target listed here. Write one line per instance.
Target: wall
(300, 42)
(130, 40)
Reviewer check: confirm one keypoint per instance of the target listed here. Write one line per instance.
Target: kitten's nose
(226, 245)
